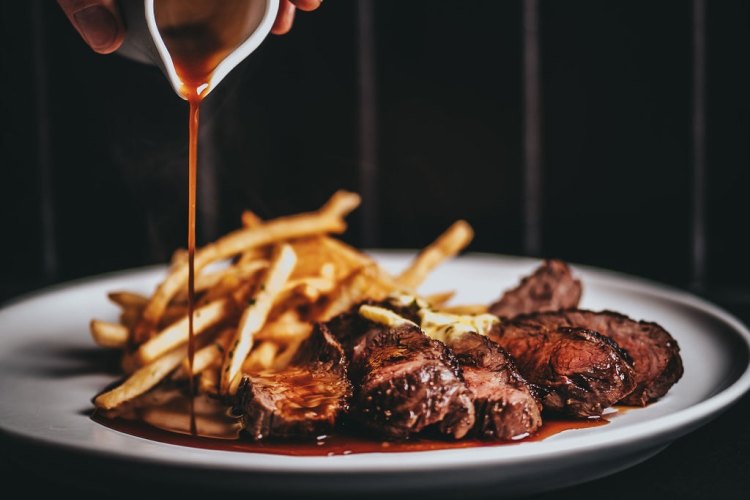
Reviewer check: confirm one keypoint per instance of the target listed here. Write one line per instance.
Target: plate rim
(673, 424)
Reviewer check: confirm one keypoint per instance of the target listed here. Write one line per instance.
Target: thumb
(97, 21)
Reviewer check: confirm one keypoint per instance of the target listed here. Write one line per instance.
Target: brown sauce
(343, 442)
(198, 36)
(162, 416)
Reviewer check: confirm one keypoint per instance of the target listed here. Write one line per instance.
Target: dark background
(94, 147)
(638, 161)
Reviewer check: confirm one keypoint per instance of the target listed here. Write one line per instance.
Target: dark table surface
(712, 462)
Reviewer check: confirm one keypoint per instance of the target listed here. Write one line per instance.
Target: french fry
(219, 283)
(130, 317)
(370, 282)
(346, 253)
(206, 356)
(131, 305)
(240, 270)
(251, 219)
(310, 288)
(440, 298)
(261, 358)
(142, 380)
(173, 313)
(287, 328)
(323, 282)
(329, 219)
(209, 381)
(179, 257)
(447, 245)
(319, 251)
(254, 254)
(255, 314)
(227, 286)
(109, 334)
(128, 300)
(177, 333)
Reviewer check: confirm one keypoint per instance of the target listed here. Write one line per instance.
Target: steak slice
(655, 354)
(505, 406)
(582, 371)
(303, 400)
(549, 288)
(404, 381)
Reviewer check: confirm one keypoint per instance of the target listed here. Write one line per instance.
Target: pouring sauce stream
(198, 35)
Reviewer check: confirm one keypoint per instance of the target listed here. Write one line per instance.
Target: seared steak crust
(549, 288)
(655, 354)
(505, 405)
(303, 400)
(582, 371)
(404, 381)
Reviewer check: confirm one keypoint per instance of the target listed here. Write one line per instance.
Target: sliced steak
(655, 354)
(506, 407)
(504, 403)
(404, 381)
(582, 371)
(549, 288)
(303, 400)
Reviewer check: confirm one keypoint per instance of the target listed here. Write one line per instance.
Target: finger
(97, 21)
(307, 5)
(284, 18)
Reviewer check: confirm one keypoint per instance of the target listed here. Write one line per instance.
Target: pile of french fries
(259, 290)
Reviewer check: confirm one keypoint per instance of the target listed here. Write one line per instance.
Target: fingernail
(98, 26)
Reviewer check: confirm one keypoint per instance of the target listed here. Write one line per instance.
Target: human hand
(285, 17)
(100, 25)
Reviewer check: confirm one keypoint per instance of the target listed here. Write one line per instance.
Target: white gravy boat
(143, 41)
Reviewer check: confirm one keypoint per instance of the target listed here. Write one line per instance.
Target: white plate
(47, 379)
